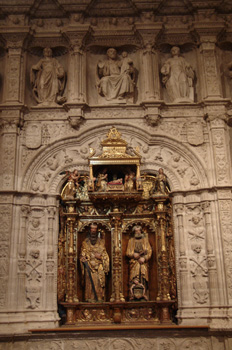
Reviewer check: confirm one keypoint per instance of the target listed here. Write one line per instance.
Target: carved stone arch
(192, 166)
(42, 175)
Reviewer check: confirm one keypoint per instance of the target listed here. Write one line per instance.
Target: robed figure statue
(48, 80)
(139, 252)
(95, 265)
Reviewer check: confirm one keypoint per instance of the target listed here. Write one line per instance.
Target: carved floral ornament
(180, 165)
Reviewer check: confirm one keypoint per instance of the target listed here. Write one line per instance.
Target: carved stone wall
(190, 139)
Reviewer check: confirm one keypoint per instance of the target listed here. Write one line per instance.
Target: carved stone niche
(113, 75)
(178, 73)
(116, 261)
(2, 70)
(54, 95)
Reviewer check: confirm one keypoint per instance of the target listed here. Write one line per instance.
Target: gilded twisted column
(117, 293)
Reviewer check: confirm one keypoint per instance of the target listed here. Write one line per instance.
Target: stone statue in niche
(48, 80)
(178, 78)
(116, 77)
(139, 252)
(95, 265)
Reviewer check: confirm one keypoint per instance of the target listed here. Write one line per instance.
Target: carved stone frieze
(5, 227)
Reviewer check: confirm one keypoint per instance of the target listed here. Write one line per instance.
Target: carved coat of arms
(33, 137)
(195, 134)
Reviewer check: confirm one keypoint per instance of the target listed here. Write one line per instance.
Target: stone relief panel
(8, 161)
(220, 155)
(178, 75)
(2, 71)
(197, 254)
(225, 210)
(112, 80)
(46, 76)
(48, 80)
(5, 231)
(184, 171)
(127, 343)
(225, 57)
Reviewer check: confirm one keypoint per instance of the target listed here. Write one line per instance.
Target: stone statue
(95, 265)
(115, 77)
(178, 78)
(139, 252)
(48, 80)
(69, 191)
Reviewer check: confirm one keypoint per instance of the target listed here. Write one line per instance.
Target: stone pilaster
(211, 260)
(183, 270)
(150, 69)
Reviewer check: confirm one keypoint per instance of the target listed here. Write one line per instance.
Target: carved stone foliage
(13, 77)
(185, 174)
(210, 68)
(8, 161)
(220, 153)
(129, 343)
(226, 227)
(5, 218)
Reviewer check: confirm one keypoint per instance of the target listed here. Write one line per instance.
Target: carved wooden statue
(139, 252)
(115, 77)
(48, 80)
(178, 78)
(95, 265)
(69, 191)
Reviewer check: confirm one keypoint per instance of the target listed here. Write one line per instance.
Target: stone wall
(188, 136)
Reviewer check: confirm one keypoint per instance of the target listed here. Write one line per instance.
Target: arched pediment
(184, 169)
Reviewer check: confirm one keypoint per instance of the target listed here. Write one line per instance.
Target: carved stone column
(150, 73)
(8, 148)
(15, 82)
(22, 247)
(213, 281)
(208, 68)
(211, 88)
(76, 74)
(220, 142)
(183, 271)
(50, 263)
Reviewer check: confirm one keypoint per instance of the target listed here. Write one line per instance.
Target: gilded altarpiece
(114, 209)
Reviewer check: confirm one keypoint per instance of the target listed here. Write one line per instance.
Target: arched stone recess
(184, 169)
